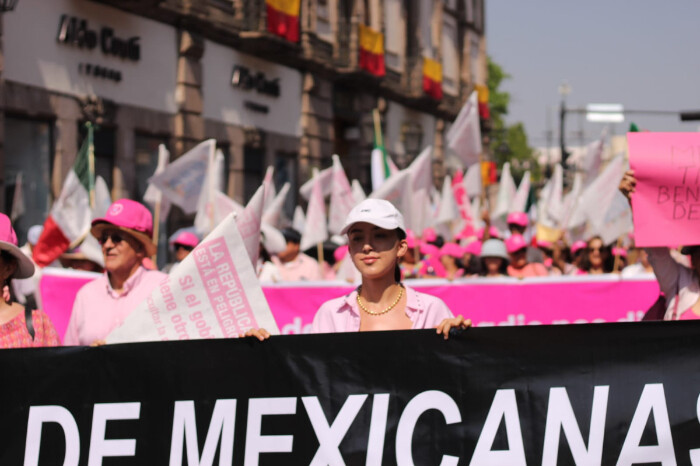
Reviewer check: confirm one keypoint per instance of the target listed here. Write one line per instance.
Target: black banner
(581, 394)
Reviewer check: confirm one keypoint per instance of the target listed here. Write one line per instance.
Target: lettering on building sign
(245, 79)
(98, 71)
(75, 31)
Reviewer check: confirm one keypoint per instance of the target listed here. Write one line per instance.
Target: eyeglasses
(595, 249)
(182, 246)
(114, 236)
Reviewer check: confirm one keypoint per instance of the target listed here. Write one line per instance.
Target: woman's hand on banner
(628, 183)
(98, 343)
(446, 325)
(259, 333)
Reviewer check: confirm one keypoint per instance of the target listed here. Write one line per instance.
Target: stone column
(189, 122)
(316, 125)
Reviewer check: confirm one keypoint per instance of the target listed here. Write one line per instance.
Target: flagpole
(91, 163)
(617, 255)
(377, 128)
(156, 229)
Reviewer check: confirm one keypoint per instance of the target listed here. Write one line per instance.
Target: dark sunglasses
(115, 237)
(182, 246)
(595, 249)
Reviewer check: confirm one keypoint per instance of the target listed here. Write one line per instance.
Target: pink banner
(666, 203)
(556, 300)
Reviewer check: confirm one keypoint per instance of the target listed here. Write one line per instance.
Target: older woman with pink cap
(20, 326)
(125, 234)
(377, 241)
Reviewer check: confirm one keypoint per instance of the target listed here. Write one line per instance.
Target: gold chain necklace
(372, 313)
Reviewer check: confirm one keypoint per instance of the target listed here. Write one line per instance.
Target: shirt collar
(129, 284)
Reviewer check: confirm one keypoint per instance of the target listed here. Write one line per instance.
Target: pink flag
(342, 199)
(666, 204)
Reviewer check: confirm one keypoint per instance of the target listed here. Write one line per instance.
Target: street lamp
(7, 5)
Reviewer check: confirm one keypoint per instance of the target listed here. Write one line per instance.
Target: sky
(642, 54)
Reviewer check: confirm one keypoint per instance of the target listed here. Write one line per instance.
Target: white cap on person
(377, 212)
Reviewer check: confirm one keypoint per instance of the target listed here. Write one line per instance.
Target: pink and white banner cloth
(488, 302)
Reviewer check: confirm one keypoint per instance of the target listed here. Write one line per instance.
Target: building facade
(180, 71)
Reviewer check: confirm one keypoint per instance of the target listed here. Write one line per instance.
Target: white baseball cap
(377, 212)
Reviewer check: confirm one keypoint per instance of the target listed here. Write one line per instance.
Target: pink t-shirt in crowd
(302, 267)
(343, 315)
(533, 269)
(98, 309)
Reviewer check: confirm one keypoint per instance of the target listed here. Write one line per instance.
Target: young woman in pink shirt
(377, 242)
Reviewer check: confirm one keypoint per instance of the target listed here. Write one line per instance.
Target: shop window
(226, 151)
(105, 150)
(28, 150)
(253, 169)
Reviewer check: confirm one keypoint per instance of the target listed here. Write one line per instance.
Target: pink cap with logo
(131, 217)
(515, 243)
(517, 218)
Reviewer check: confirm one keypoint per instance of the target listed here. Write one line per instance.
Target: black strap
(30, 322)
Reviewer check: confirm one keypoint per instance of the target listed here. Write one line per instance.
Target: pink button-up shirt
(343, 315)
(98, 309)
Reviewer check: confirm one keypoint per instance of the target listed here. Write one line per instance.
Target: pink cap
(131, 216)
(622, 252)
(429, 235)
(411, 239)
(577, 246)
(466, 232)
(340, 252)
(429, 249)
(517, 218)
(473, 248)
(544, 244)
(452, 249)
(186, 238)
(515, 243)
(8, 242)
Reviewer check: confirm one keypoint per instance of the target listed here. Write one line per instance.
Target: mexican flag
(381, 165)
(71, 214)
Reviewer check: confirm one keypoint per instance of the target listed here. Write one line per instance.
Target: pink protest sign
(666, 204)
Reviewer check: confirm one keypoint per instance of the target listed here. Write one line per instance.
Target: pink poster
(666, 204)
(488, 302)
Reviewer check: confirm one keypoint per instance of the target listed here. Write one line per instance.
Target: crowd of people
(375, 251)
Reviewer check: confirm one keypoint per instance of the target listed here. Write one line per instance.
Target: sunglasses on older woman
(116, 237)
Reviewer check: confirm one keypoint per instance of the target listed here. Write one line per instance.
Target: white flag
(358, 194)
(182, 180)
(598, 196)
(269, 183)
(153, 195)
(249, 223)
(573, 214)
(593, 158)
(273, 213)
(472, 180)
(299, 220)
(215, 292)
(315, 230)
(520, 200)
(555, 202)
(464, 136)
(17, 199)
(342, 199)
(617, 221)
(506, 193)
(326, 176)
(448, 211)
(206, 220)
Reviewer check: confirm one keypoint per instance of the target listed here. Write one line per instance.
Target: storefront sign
(75, 31)
(246, 79)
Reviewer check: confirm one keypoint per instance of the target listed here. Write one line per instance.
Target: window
(395, 29)
(146, 155)
(286, 171)
(450, 56)
(475, 71)
(253, 170)
(324, 19)
(28, 150)
(105, 149)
